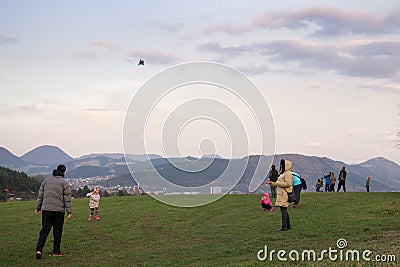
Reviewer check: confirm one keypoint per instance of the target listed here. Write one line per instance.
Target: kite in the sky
(141, 62)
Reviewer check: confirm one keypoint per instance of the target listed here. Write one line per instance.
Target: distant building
(216, 190)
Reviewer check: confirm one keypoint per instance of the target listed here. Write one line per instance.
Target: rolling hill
(134, 157)
(9, 160)
(46, 155)
(385, 174)
(87, 171)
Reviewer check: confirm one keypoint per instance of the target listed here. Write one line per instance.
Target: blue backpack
(303, 182)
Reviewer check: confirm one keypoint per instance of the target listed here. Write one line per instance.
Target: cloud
(97, 109)
(4, 39)
(313, 144)
(86, 55)
(230, 51)
(227, 28)
(325, 86)
(152, 57)
(254, 70)
(13, 111)
(368, 58)
(170, 27)
(386, 48)
(388, 136)
(149, 56)
(328, 21)
(261, 69)
(382, 87)
(28, 108)
(106, 44)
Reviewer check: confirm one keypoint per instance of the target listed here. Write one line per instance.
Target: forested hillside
(18, 183)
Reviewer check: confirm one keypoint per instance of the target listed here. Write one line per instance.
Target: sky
(329, 71)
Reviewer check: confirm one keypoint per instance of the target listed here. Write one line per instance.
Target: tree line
(19, 183)
(81, 192)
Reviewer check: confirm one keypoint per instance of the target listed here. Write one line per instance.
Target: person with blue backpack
(327, 182)
(297, 186)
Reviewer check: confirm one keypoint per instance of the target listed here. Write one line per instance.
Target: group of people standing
(298, 183)
(286, 181)
(281, 183)
(330, 181)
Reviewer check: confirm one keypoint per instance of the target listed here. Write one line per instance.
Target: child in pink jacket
(266, 203)
(94, 204)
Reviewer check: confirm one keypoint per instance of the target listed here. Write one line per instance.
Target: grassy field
(139, 231)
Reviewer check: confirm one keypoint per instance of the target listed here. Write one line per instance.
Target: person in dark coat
(273, 177)
(342, 179)
(53, 200)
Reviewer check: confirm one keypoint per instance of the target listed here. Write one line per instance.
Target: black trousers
(332, 188)
(273, 192)
(297, 191)
(285, 218)
(51, 219)
(266, 206)
(327, 187)
(342, 183)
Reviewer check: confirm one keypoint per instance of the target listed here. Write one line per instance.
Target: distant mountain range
(137, 157)
(385, 174)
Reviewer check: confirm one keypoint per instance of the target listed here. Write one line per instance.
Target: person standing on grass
(367, 183)
(333, 182)
(318, 185)
(322, 185)
(284, 184)
(327, 182)
(342, 179)
(94, 204)
(297, 186)
(273, 177)
(53, 199)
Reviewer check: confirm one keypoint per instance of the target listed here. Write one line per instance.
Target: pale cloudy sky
(330, 71)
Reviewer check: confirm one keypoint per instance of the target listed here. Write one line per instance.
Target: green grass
(140, 231)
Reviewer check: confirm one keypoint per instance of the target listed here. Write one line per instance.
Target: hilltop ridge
(385, 174)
